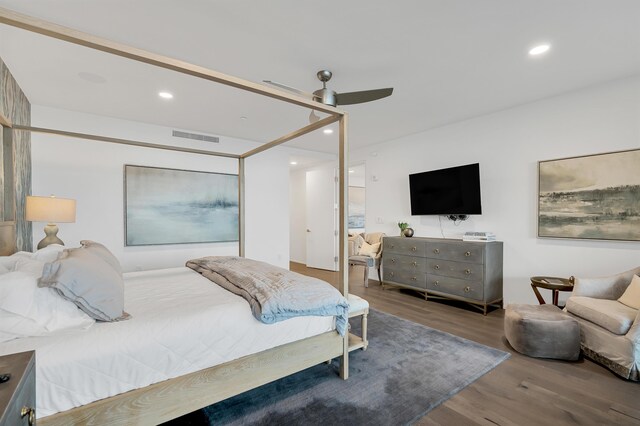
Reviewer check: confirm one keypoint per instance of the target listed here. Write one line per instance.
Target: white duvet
(181, 323)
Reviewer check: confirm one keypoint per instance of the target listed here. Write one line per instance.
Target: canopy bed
(167, 399)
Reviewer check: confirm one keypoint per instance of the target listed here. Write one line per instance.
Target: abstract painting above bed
(169, 206)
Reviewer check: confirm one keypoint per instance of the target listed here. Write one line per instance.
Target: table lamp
(50, 210)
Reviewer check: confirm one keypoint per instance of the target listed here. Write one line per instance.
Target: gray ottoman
(542, 331)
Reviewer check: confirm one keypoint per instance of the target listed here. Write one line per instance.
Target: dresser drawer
(406, 263)
(21, 389)
(462, 270)
(462, 251)
(405, 246)
(418, 279)
(456, 287)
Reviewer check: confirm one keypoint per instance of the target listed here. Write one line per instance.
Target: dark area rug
(408, 370)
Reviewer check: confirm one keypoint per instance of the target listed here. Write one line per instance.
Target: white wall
(92, 173)
(508, 145)
(298, 215)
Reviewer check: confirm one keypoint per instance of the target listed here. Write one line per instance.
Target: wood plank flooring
(521, 390)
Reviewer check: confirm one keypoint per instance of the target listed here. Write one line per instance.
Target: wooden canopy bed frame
(172, 398)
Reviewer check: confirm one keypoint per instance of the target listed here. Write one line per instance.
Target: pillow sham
(83, 276)
(103, 253)
(631, 296)
(370, 250)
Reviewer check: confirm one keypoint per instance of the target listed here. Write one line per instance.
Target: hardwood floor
(521, 390)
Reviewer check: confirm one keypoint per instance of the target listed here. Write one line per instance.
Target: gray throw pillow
(83, 276)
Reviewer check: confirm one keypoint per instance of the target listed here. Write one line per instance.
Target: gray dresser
(445, 268)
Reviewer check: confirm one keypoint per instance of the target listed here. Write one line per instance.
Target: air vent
(195, 136)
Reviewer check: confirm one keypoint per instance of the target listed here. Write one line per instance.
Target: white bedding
(181, 323)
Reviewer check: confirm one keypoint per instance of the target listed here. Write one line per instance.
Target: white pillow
(17, 292)
(3, 269)
(631, 296)
(48, 254)
(370, 250)
(9, 262)
(26, 310)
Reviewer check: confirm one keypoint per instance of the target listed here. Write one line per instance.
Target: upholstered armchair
(609, 330)
(367, 255)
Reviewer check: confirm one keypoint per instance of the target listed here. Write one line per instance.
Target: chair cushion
(631, 296)
(608, 314)
(357, 303)
(369, 249)
(362, 260)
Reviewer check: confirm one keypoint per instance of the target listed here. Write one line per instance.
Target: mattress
(181, 322)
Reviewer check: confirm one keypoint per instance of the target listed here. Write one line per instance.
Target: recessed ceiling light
(165, 95)
(293, 163)
(539, 50)
(327, 131)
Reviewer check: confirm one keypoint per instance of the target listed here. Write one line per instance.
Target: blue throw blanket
(275, 294)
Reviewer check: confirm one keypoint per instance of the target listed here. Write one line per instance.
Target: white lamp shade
(50, 209)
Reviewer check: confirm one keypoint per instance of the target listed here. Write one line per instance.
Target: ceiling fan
(330, 97)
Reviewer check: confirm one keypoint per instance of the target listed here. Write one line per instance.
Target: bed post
(241, 207)
(343, 183)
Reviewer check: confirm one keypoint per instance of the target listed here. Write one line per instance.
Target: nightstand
(18, 395)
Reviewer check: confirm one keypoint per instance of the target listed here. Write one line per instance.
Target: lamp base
(51, 230)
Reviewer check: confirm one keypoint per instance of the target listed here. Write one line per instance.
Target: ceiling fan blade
(351, 98)
(289, 88)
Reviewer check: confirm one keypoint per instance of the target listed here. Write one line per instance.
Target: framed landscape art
(590, 197)
(169, 206)
(356, 207)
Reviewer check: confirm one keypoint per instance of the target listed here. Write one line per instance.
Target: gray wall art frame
(593, 197)
(174, 206)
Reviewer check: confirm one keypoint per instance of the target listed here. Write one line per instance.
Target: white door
(322, 225)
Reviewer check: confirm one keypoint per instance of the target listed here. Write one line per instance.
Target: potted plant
(402, 226)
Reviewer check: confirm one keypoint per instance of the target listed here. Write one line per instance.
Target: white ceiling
(447, 60)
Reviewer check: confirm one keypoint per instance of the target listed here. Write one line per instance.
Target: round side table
(555, 284)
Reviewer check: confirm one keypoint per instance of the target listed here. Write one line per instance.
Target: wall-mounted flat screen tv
(455, 190)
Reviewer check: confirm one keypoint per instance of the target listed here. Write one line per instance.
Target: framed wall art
(169, 206)
(590, 197)
(356, 207)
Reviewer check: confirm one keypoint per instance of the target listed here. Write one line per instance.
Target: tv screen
(455, 190)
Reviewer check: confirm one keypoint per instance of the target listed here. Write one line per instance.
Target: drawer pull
(436, 251)
(28, 411)
(414, 279)
(414, 248)
(468, 253)
(467, 289)
(437, 283)
(436, 267)
(393, 261)
(415, 264)
(467, 271)
(391, 246)
(391, 273)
